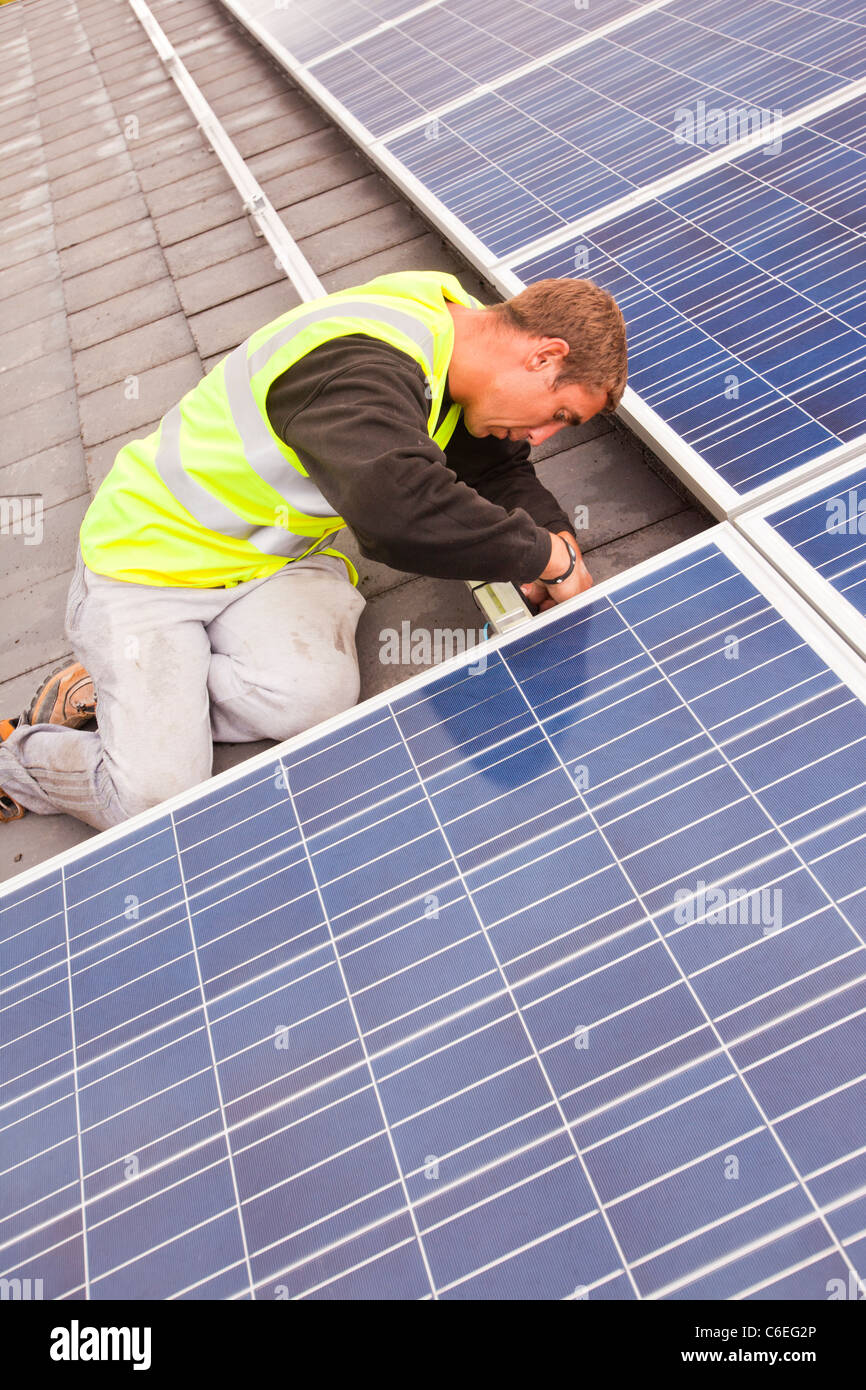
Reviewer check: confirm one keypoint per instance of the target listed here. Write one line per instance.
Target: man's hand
(579, 580)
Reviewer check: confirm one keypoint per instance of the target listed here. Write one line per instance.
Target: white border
(817, 590)
(832, 650)
(703, 480)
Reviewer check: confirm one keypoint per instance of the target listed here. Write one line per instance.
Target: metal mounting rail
(501, 604)
(256, 203)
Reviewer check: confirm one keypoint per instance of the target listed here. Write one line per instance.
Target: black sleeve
(355, 412)
(501, 472)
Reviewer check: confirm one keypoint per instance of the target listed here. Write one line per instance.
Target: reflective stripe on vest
(259, 449)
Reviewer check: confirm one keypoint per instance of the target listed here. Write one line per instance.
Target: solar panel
(541, 976)
(816, 535)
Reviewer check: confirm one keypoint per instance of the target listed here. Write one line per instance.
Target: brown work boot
(9, 809)
(65, 697)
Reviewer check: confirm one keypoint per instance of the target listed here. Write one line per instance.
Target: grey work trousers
(175, 669)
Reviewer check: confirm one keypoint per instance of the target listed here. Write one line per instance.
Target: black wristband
(560, 579)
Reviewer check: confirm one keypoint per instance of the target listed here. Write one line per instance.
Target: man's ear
(548, 352)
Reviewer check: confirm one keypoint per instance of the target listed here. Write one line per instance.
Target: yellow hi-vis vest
(213, 496)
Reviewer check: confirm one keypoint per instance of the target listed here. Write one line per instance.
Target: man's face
(520, 402)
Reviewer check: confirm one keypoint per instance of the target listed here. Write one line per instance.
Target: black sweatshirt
(355, 412)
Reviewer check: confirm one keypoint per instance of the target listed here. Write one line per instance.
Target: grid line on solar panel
(440, 1043)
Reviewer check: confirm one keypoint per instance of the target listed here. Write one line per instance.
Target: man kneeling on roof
(207, 603)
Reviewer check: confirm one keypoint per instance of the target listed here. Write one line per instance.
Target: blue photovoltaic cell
(533, 29)
(828, 529)
(744, 293)
(443, 1003)
(518, 163)
(845, 125)
(821, 166)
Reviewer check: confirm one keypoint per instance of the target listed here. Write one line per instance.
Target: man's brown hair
(588, 319)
